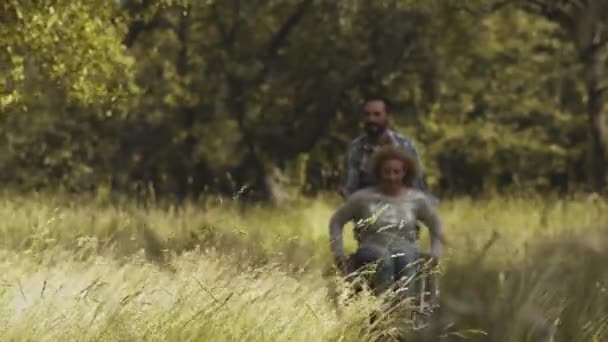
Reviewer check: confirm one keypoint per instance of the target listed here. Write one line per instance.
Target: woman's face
(392, 173)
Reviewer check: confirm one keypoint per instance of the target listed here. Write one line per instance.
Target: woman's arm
(429, 216)
(345, 213)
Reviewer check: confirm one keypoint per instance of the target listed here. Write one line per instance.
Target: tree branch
(549, 10)
(487, 10)
(602, 39)
(236, 8)
(228, 34)
(139, 26)
(594, 48)
(218, 23)
(280, 37)
(183, 36)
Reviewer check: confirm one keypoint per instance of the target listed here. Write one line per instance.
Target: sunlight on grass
(203, 299)
(77, 270)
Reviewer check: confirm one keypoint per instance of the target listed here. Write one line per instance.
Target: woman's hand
(341, 262)
(433, 261)
(429, 259)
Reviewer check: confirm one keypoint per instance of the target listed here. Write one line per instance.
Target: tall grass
(516, 269)
(203, 300)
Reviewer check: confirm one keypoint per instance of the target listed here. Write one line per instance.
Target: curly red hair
(389, 152)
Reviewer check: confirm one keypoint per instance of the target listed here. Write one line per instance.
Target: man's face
(376, 118)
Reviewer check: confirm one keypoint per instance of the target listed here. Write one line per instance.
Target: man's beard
(374, 130)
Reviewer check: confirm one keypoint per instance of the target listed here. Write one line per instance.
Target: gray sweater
(385, 218)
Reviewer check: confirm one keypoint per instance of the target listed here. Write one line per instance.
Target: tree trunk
(594, 64)
(185, 166)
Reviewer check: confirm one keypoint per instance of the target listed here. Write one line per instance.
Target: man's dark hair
(387, 103)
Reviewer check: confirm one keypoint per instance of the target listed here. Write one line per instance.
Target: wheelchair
(415, 310)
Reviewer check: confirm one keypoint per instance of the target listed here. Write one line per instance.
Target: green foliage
(190, 96)
(72, 49)
(68, 78)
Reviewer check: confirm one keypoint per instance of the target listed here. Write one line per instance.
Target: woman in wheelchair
(386, 217)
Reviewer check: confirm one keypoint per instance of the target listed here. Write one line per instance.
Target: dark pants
(382, 265)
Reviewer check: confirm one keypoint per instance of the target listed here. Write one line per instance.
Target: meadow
(517, 268)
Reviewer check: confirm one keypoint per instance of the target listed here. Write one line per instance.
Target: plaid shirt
(358, 156)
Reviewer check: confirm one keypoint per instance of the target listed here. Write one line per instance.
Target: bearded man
(378, 132)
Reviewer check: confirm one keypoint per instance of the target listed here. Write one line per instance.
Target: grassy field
(516, 269)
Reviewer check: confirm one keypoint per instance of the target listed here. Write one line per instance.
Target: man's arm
(410, 148)
(351, 168)
(430, 217)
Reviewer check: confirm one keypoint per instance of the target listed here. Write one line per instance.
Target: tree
(585, 25)
(190, 96)
(64, 76)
